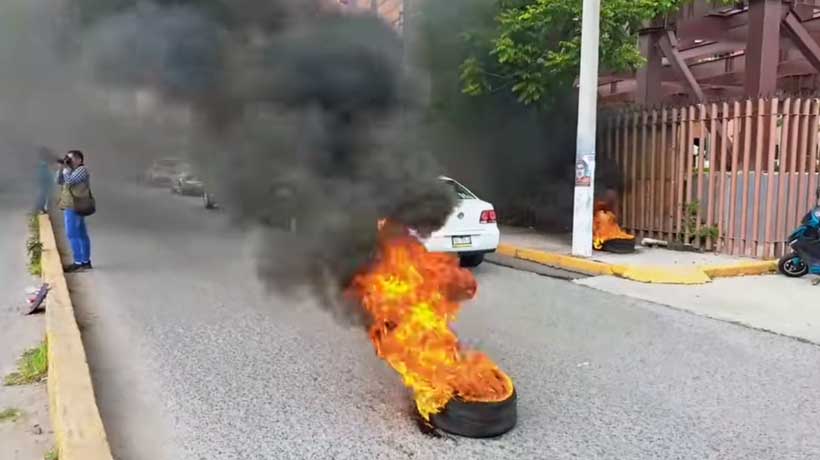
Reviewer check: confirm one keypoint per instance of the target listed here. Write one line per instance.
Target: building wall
(391, 11)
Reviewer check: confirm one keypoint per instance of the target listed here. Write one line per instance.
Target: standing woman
(77, 203)
(45, 180)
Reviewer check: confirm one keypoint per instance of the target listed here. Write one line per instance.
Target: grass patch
(9, 415)
(31, 368)
(51, 455)
(34, 247)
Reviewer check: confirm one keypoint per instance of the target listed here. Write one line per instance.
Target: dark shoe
(87, 266)
(73, 268)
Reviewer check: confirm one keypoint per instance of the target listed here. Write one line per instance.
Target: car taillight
(488, 217)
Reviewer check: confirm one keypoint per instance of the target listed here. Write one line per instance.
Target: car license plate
(462, 242)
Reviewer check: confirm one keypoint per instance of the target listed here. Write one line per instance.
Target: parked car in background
(470, 232)
(163, 173)
(188, 184)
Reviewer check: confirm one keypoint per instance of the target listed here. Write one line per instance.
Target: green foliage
(31, 368)
(9, 415)
(51, 455)
(34, 247)
(690, 223)
(536, 48)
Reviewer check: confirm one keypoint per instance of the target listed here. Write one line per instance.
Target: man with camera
(77, 203)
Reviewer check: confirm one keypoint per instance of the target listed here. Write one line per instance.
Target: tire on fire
(477, 419)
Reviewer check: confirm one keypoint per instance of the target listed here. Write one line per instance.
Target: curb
(640, 273)
(78, 428)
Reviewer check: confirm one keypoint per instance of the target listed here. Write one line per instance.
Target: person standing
(77, 202)
(45, 179)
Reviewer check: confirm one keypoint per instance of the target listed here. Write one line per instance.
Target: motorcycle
(804, 257)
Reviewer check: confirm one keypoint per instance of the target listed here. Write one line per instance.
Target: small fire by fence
(607, 235)
(734, 177)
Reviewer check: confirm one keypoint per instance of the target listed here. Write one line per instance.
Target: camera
(66, 160)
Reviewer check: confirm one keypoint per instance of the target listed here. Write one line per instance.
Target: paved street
(194, 360)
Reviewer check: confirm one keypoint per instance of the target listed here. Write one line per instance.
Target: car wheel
(472, 260)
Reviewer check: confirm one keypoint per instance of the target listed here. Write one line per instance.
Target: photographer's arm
(76, 176)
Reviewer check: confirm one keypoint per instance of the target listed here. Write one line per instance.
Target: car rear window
(461, 192)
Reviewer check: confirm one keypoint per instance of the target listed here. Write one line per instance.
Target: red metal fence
(734, 177)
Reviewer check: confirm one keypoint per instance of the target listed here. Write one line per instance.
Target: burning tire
(619, 246)
(477, 419)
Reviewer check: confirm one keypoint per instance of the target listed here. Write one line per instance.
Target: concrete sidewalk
(778, 304)
(649, 265)
(775, 303)
(30, 436)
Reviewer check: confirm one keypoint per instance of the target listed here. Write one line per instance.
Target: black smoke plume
(299, 114)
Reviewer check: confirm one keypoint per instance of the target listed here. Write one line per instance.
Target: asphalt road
(194, 360)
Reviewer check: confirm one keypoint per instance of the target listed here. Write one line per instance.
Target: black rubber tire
(786, 267)
(619, 246)
(472, 260)
(477, 420)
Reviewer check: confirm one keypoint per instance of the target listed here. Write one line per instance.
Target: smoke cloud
(294, 114)
(299, 115)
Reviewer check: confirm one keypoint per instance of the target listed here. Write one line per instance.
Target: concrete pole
(587, 119)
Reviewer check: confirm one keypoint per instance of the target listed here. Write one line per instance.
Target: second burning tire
(619, 246)
(477, 419)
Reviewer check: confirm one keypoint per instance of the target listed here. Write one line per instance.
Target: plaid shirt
(77, 176)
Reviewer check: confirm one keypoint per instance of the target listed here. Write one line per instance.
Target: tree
(535, 49)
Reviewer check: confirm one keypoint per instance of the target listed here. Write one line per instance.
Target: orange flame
(605, 227)
(412, 295)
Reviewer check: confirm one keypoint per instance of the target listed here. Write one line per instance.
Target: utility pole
(587, 119)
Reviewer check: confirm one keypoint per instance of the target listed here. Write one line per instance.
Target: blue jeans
(77, 235)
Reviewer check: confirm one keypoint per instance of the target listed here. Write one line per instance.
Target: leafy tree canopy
(535, 50)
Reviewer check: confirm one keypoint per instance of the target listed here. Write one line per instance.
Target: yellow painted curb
(662, 275)
(574, 264)
(741, 269)
(643, 274)
(78, 428)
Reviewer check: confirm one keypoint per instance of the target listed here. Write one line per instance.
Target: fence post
(771, 151)
(681, 171)
(801, 183)
(747, 147)
(721, 208)
(633, 175)
(758, 177)
(710, 188)
(812, 169)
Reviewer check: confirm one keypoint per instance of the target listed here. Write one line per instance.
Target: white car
(471, 230)
(164, 172)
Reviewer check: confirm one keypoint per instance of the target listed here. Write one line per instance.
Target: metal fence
(734, 177)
